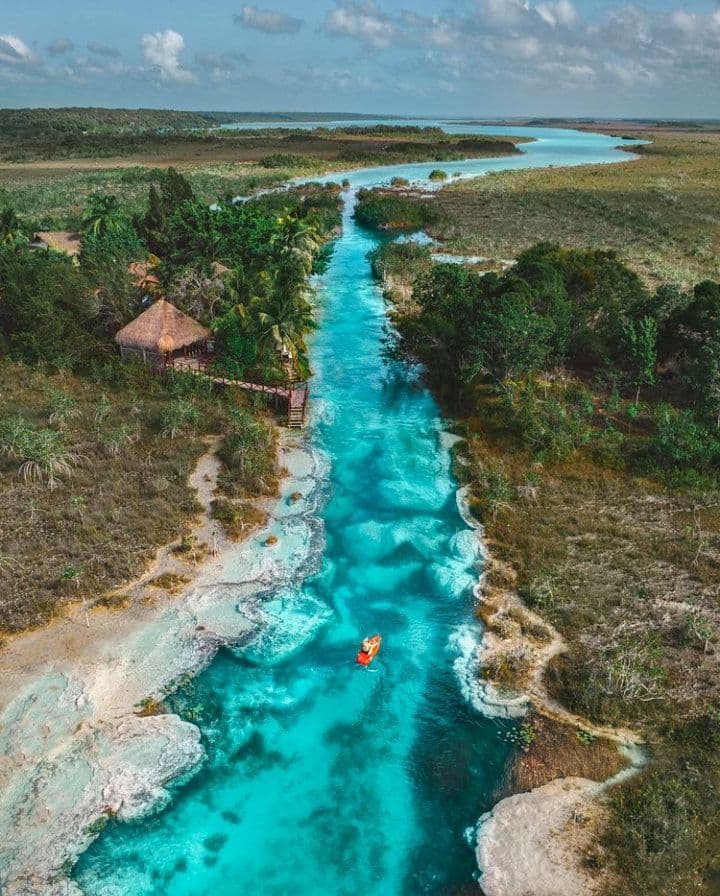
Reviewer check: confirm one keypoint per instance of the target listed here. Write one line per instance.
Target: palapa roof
(61, 240)
(162, 327)
(140, 272)
(219, 269)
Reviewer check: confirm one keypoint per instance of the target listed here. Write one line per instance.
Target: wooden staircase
(296, 394)
(297, 405)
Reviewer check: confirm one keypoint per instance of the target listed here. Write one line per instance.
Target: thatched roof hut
(60, 240)
(161, 330)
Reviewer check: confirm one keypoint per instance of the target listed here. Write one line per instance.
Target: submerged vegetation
(590, 407)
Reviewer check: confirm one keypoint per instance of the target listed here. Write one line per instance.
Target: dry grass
(557, 751)
(629, 572)
(169, 581)
(238, 518)
(102, 524)
(662, 212)
(623, 567)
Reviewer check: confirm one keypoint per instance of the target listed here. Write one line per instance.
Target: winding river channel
(321, 777)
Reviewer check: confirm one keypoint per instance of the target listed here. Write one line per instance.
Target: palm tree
(300, 241)
(283, 320)
(103, 214)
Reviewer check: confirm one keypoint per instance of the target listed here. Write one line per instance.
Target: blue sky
(470, 57)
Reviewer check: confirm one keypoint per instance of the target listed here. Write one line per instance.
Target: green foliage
(44, 311)
(582, 310)
(248, 453)
(384, 210)
(493, 489)
(522, 735)
(683, 442)
(285, 160)
(103, 215)
(640, 338)
(10, 225)
(41, 453)
(404, 259)
(552, 421)
(117, 245)
(437, 174)
(178, 416)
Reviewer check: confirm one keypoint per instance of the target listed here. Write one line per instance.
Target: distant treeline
(27, 123)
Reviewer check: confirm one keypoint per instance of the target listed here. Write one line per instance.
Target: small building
(141, 276)
(60, 240)
(219, 269)
(162, 335)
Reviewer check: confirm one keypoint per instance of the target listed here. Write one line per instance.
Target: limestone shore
(83, 734)
(535, 842)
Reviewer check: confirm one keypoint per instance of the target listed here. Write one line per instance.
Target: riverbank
(598, 605)
(84, 734)
(295, 739)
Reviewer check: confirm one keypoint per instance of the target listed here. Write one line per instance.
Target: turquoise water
(322, 776)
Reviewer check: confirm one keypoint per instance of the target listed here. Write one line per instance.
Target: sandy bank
(74, 749)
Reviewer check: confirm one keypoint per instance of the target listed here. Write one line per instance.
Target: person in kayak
(367, 645)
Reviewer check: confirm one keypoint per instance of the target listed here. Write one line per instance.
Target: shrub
(42, 454)
(552, 423)
(389, 211)
(248, 451)
(178, 416)
(681, 441)
(238, 518)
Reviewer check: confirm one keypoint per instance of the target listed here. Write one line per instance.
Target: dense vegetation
(590, 406)
(391, 210)
(95, 453)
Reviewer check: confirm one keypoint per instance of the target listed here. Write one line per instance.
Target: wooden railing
(295, 393)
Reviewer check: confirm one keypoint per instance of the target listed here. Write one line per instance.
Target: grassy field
(127, 494)
(52, 202)
(51, 190)
(628, 571)
(662, 213)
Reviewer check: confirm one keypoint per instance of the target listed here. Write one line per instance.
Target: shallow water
(322, 775)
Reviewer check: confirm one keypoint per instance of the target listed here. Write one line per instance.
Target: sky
(483, 58)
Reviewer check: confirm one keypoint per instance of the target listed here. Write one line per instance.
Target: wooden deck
(295, 394)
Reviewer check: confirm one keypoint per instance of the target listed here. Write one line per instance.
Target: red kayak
(369, 650)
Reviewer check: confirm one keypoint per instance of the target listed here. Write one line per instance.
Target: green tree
(103, 214)
(45, 314)
(640, 338)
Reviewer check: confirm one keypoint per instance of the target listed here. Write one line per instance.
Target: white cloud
(162, 50)
(363, 21)
(99, 49)
(15, 51)
(268, 20)
(623, 50)
(222, 66)
(60, 46)
(559, 12)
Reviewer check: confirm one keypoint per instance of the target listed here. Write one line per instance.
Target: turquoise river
(321, 777)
